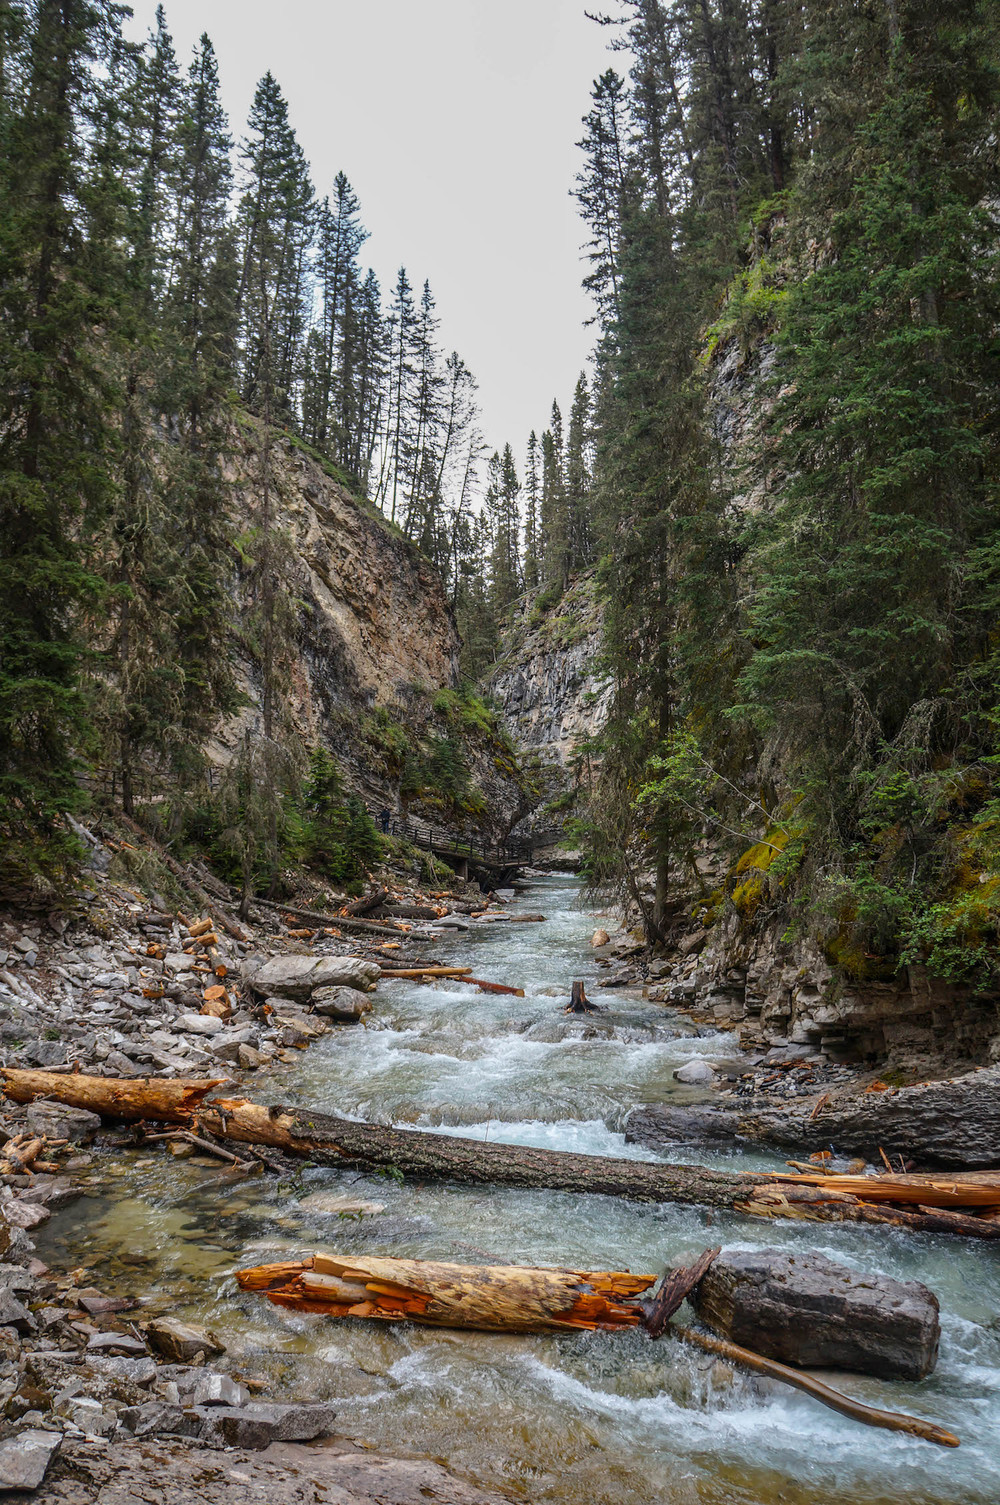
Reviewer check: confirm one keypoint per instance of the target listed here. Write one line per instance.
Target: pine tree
(57, 440)
(339, 238)
(533, 543)
(276, 227)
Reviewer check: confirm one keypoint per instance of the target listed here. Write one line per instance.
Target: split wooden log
(328, 1140)
(892, 1421)
(199, 928)
(675, 1287)
(484, 1298)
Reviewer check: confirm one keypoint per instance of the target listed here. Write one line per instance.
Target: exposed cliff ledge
(546, 684)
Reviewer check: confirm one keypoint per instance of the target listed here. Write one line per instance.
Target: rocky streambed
(139, 1237)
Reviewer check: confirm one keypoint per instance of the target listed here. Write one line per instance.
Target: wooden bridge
(464, 849)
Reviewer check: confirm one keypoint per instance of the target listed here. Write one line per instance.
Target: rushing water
(588, 1419)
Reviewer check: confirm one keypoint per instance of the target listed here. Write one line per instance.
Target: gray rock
(25, 1457)
(122, 1344)
(180, 1342)
(200, 1024)
(57, 1122)
(950, 1123)
(136, 1371)
(87, 1414)
(345, 1004)
(13, 1314)
(215, 1389)
(298, 977)
(258, 1426)
(695, 1072)
(811, 1311)
(157, 1418)
(45, 1053)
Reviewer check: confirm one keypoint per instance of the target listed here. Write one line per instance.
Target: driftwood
(328, 1140)
(494, 987)
(676, 1286)
(366, 903)
(462, 973)
(892, 1421)
(485, 1298)
(326, 921)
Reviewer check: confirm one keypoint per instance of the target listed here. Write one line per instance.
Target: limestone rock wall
(547, 684)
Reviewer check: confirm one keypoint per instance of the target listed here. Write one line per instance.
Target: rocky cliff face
(741, 970)
(372, 660)
(546, 684)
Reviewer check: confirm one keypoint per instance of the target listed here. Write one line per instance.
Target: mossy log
(328, 1140)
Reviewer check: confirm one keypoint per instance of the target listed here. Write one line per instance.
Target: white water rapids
(591, 1419)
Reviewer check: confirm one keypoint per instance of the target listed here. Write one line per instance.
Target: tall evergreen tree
(57, 438)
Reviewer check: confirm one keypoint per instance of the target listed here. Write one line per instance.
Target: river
(588, 1419)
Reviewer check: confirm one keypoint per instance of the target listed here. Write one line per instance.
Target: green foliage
(339, 838)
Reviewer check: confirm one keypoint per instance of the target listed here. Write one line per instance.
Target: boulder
(299, 977)
(25, 1456)
(13, 1314)
(180, 1342)
(200, 1024)
(811, 1311)
(257, 1426)
(56, 1122)
(695, 1073)
(346, 1005)
(215, 1389)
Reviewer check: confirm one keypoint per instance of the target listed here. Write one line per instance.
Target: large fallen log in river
(329, 1140)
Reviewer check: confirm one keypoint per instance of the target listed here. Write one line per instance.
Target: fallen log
(484, 1298)
(329, 1140)
(310, 916)
(372, 900)
(494, 987)
(460, 972)
(892, 1421)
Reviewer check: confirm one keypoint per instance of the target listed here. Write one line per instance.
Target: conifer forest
(348, 755)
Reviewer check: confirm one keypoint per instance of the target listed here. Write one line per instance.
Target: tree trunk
(328, 1140)
(486, 1298)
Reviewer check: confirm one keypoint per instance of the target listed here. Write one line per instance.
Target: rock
(811, 1311)
(219, 1390)
(182, 1341)
(950, 1123)
(323, 1201)
(87, 1414)
(13, 1314)
(25, 1457)
(200, 1024)
(45, 1053)
(249, 1059)
(122, 1344)
(600, 938)
(298, 977)
(257, 1426)
(695, 1072)
(57, 1122)
(136, 1371)
(342, 1003)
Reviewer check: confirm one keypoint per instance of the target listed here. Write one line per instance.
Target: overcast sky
(455, 121)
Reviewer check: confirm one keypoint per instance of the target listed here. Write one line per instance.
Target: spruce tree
(59, 273)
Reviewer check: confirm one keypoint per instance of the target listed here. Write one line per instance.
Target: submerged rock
(811, 1311)
(341, 1003)
(182, 1341)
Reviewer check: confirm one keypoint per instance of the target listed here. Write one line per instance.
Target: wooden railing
(451, 843)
